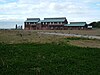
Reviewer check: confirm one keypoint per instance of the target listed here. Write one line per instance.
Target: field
(30, 53)
(48, 59)
(21, 36)
(95, 32)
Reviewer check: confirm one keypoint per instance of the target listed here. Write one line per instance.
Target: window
(54, 23)
(51, 27)
(31, 23)
(81, 27)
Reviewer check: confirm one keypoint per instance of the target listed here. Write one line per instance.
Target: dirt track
(73, 35)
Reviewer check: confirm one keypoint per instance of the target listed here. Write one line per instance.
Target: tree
(95, 24)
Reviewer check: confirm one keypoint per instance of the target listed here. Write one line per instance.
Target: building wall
(74, 28)
(51, 26)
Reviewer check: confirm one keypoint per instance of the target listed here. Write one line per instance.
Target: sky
(74, 10)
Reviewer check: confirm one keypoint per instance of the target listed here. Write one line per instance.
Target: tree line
(95, 24)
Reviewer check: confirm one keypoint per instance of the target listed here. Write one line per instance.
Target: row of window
(52, 23)
(31, 23)
(45, 23)
(56, 27)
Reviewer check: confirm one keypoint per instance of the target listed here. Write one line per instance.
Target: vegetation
(48, 59)
(95, 24)
(78, 38)
(30, 53)
(83, 42)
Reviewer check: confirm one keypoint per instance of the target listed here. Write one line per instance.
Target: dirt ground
(93, 32)
(31, 36)
(86, 43)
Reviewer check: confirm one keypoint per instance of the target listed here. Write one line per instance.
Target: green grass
(48, 59)
(78, 38)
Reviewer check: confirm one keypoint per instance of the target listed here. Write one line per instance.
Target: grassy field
(94, 32)
(22, 36)
(48, 59)
(30, 53)
(83, 42)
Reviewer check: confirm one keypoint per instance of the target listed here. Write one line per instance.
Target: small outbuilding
(89, 27)
(76, 26)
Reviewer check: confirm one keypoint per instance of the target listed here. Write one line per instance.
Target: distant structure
(59, 23)
(18, 27)
(76, 26)
(89, 27)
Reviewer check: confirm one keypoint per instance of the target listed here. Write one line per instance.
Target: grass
(83, 42)
(21, 36)
(94, 32)
(78, 38)
(30, 53)
(48, 59)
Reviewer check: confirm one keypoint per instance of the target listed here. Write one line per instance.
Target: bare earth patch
(86, 43)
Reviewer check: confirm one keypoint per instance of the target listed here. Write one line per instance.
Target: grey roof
(40, 21)
(74, 24)
(32, 20)
(60, 19)
(55, 18)
(77, 22)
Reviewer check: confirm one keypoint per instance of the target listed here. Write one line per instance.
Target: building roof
(40, 21)
(55, 18)
(60, 19)
(74, 24)
(77, 22)
(32, 20)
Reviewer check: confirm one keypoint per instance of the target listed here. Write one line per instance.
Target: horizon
(8, 24)
(74, 10)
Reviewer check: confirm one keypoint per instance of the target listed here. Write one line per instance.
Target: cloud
(91, 1)
(98, 4)
(2, 0)
(21, 9)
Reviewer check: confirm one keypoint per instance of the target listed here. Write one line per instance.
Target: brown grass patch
(24, 36)
(86, 43)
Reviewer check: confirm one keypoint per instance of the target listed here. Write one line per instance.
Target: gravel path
(75, 35)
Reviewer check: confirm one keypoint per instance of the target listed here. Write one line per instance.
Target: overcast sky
(73, 10)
